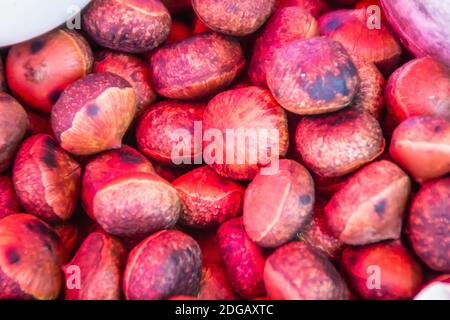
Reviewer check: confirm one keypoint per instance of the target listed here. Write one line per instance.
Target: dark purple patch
(92, 110)
(326, 87)
(54, 96)
(437, 129)
(332, 25)
(305, 199)
(49, 154)
(12, 255)
(130, 157)
(380, 206)
(36, 46)
(100, 56)
(41, 229)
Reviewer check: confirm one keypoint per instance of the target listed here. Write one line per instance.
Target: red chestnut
(244, 129)
(9, 204)
(132, 69)
(126, 198)
(285, 25)
(278, 206)
(208, 199)
(133, 26)
(370, 206)
(382, 271)
(196, 67)
(46, 179)
(420, 87)
(336, 144)
(370, 94)
(356, 30)
(229, 17)
(94, 113)
(312, 76)
(31, 255)
(40, 69)
(421, 145)
(166, 132)
(315, 7)
(318, 234)
(13, 126)
(164, 265)
(243, 259)
(429, 224)
(296, 271)
(98, 264)
(215, 284)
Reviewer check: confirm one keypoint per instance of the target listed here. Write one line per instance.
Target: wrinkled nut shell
(94, 113)
(27, 243)
(312, 76)
(296, 271)
(382, 271)
(133, 26)
(166, 264)
(421, 145)
(336, 144)
(46, 179)
(165, 132)
(197, 67)
(13, 126)
(251, 110)
(278, 206)
(208, 199)
(98, 263)
(40, 69)
(370, 206)
(234, 18)
(429, 224)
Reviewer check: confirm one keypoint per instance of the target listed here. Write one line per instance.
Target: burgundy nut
(370, 207)
(230, 17)
(297, 271)
(313, 76)
(46, 179)
(197, 67)
(278, 206)
(9, 204)
(166, 264)
(93, 113)
(208, 199)
(133, 26)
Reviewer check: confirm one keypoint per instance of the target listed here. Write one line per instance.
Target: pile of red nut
(119, 179)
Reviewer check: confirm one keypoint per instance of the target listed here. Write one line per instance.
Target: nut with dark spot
(196, 67)
(238, 18)
(133, 26)
(94, 113)
(165, 132)
(337, 144)
(429, 224)
(40, 69)
(370, 207)
(278, 206)
(208, 199)
(297, 271)
(312, 76)
(421, 145)
(100, 261)
(383, 271)
(13, 126)
(285, 25)
(166, 264)
(31, 255)
(46, 179)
